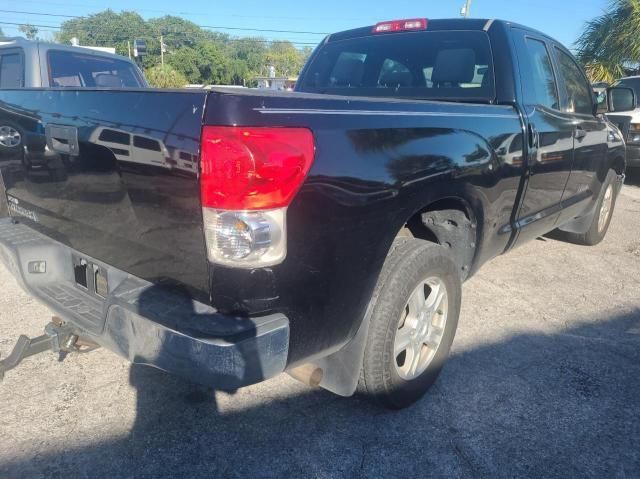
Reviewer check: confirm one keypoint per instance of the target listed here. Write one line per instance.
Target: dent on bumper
(147, 324)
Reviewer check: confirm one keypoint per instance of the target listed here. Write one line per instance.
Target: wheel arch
(450, 221)
(340, 375)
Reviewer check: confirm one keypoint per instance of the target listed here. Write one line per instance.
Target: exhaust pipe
(308, 374)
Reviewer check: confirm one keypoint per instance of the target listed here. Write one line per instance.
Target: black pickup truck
(230, 235)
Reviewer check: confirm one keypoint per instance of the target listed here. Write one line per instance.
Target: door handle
(579, 133)
(62, 139)
(533, 136)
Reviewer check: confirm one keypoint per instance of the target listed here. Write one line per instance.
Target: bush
(165, 77)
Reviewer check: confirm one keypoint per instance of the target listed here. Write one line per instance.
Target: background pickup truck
(629, 123)
(230, 235)
(35, 64)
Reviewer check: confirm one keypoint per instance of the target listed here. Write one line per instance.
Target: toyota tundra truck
(324, 232)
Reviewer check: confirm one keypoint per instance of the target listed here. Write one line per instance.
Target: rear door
(549, 136)
(589, 133)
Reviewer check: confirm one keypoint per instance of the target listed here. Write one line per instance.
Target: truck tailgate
(112, 174)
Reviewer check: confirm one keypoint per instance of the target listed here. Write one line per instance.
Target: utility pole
(465, 9)
(162, 49)
(129, 48)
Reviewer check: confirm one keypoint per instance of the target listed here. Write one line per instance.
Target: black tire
(595, 234)
(408, 264)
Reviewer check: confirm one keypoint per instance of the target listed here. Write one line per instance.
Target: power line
(41, 14)
(199, 14)
(264, 30)
(32, 24)
(105, 37)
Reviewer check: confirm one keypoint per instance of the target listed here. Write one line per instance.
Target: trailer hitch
(59, 337)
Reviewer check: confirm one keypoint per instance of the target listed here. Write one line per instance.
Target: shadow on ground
(561, 405)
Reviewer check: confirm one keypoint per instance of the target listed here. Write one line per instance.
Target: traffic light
(139, 48)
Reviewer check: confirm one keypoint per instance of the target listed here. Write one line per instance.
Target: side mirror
(620, 99)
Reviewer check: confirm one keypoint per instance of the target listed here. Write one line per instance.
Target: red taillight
(253, 168)
(401, 25)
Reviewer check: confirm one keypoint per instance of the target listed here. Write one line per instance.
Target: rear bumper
(147, 324)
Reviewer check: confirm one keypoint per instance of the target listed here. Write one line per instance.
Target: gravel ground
(543, 380)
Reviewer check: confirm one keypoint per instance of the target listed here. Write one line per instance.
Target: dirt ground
(543, 380)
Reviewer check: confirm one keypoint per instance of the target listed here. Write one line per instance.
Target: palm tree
(610, 45)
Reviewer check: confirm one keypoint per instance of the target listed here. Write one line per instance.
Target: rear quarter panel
(377, 163)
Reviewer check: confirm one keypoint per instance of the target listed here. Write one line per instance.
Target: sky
(561, 19)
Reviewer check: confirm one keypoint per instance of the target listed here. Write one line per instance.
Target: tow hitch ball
(58, 337)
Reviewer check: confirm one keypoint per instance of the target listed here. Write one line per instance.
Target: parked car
(328, 231)
(35, 64)
(630, 123)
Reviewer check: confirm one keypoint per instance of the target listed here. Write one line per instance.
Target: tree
(165, 76)
(185, 61)
(286, 58)
(109, 29)
(212, 64)
(200, 55)
(177, 31)
(247, 59)
(609, 47)
(29, 31)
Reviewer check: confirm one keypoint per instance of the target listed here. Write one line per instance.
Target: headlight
(613, 136)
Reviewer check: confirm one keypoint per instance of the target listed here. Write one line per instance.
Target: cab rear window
(78, 70)
(453, 65)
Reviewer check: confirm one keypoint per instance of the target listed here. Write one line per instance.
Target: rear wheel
(413, 322)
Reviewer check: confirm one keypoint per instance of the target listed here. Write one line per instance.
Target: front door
(549, 136)
(589, 167)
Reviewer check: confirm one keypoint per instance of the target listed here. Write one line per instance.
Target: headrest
(106, 80)
(456, 65)
(348, 72)
(394, 79)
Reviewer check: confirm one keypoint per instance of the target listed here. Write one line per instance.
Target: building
(276, 83)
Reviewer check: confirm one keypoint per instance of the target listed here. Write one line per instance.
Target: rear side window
(425, 65)
(579, 93)
(11, 70)
(114, 136)
(146, 143)
(540, 84)
(79, 70)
